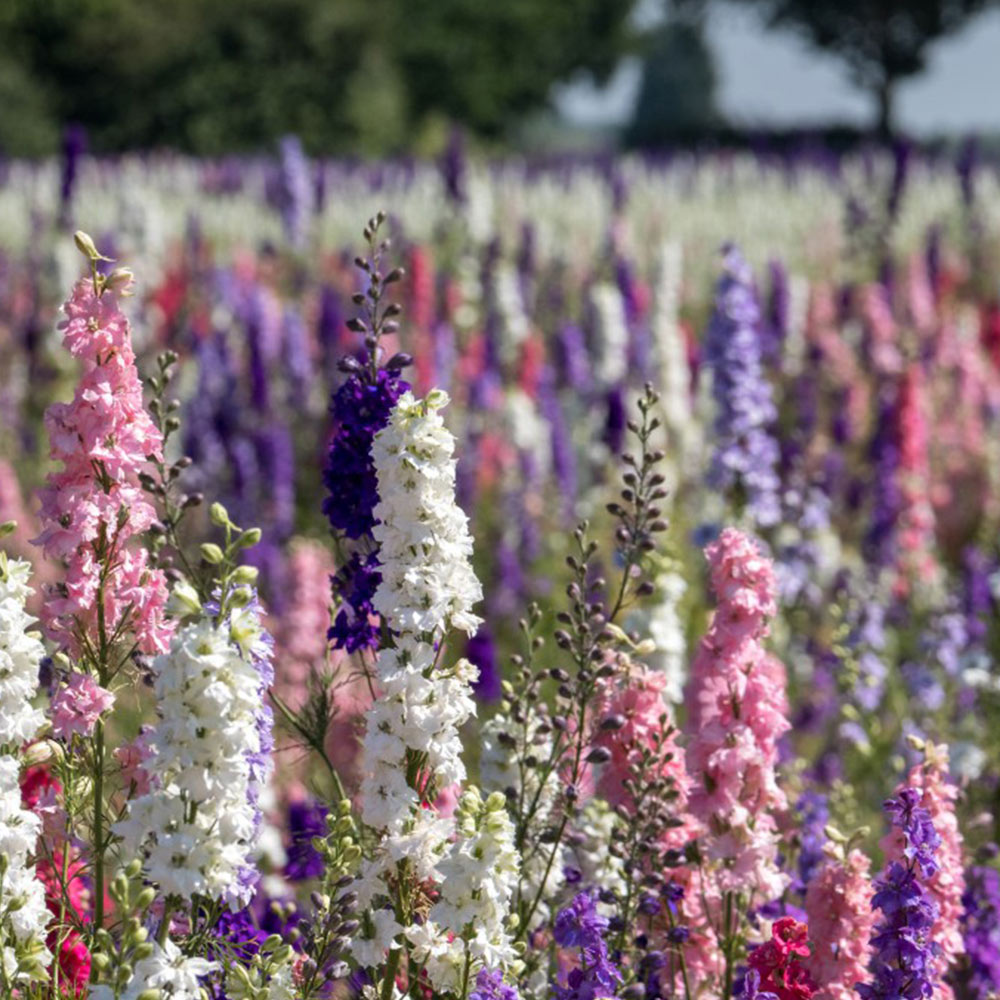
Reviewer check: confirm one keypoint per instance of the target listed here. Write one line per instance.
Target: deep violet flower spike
(306, 820)
(579, 925)
(361, 408)
(902, 945)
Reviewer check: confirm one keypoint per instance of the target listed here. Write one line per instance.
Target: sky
(773, 78)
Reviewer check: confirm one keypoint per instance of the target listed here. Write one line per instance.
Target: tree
(676, 99)
(880, 41)
(349, 76)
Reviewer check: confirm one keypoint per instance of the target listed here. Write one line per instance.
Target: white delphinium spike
(21, 652)
(24, 916)
(428, 585)
(197, 826)
(412, 748)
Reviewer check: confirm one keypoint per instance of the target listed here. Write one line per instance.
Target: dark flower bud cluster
(360, 408)
(163, 482)
(567, 727)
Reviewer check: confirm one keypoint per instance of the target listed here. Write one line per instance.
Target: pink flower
(916, 531)
(839, 907)
(94, 505)
(737, 711)
(640, 705)
(132, 757)
(77, 706)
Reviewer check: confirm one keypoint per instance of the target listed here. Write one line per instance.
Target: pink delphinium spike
(839, 908)
(737, 710)
(95, 505)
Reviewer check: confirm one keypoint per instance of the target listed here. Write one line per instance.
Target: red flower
(777, 961)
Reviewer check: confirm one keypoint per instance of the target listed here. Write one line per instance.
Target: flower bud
(211, 553)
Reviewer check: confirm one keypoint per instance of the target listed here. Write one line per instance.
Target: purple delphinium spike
(980, 976)
(902, 945)
(361, 407)
(579, 925)
(775, 325)
(885, 494)
(490, 986)
(74, 145)
(295, 190)
(746, 453)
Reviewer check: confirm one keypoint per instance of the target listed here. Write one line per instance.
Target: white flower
(23, 927)
(369, 952)
(428, 586)
(477, 880)
(21, 652)
(198, 826)
(167, 969)
(667, 633)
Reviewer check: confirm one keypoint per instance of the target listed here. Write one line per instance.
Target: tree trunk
(885, 96)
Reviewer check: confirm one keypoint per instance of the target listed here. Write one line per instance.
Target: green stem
(390, 974)
(164, 928)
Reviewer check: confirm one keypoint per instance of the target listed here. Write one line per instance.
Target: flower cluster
(166, 969)
(21, 652)
(776, 968)
(945, 884)
(423, 535)
(412, 748)
(24, 915)
(418, 712)
(205, 759)
(581, 927)
(839, 909)
(981, 931)
(903, 956)
(745, 454)
(95, 504)
(477, 876)
(360, 408)
(737, 713)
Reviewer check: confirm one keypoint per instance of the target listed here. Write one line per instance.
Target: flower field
(579, 581)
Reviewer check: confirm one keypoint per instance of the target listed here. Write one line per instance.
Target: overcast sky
(773, 78)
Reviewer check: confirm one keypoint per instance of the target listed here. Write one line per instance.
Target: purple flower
(981, 932)
(490, 986)
(751, 990)
(901, 944)
(746, 453)
(356, 583)
(814, 816)
(482, 652)
(360, 410)
(306, 820)
(579, 925)
(295, 190)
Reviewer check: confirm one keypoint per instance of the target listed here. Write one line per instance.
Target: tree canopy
(879, 41)
(367, 76)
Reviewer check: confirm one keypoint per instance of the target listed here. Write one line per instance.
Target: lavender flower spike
(746, 455)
